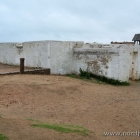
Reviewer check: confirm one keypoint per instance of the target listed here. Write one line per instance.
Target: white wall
(61, 60)
(103, 61)
(118, 61)
(56, 55)
(8, 53)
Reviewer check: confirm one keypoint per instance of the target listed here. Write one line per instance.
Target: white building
(118, 61)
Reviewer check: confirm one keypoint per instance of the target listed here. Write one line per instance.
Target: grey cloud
(85, 20)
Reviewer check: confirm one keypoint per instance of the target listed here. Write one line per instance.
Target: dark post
(21, 65)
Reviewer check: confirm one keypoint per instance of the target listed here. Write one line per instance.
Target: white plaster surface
(118, 61)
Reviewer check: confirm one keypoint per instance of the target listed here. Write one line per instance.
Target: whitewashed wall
(61, 61)
(56, 55)
(111, 63)
(8, 53)
(116, 61)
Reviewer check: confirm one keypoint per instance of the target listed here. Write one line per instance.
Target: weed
(2, 137)
(85, 79)
(86, 74)
(63, 128)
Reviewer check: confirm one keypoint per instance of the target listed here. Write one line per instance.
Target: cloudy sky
(99, 21)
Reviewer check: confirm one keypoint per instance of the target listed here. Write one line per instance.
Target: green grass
(89, 75)
(2, 137)
(110, 80)
(63, 128)
(92, 80)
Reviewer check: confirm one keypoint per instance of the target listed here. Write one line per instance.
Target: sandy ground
(63, 100)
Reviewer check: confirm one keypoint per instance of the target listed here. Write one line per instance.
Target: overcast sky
(99, 21)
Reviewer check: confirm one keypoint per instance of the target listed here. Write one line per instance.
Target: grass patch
(88, 75)
(63, 128)
(2, 137)
(92, 80)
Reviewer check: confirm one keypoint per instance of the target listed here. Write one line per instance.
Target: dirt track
(63, 100)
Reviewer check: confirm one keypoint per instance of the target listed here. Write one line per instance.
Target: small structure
(136, 39)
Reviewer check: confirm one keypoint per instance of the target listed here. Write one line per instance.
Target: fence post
(22, 65)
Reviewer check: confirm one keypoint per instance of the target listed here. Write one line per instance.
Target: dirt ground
(4, 68)
(63, 100)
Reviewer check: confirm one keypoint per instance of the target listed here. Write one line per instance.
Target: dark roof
(136, 37)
